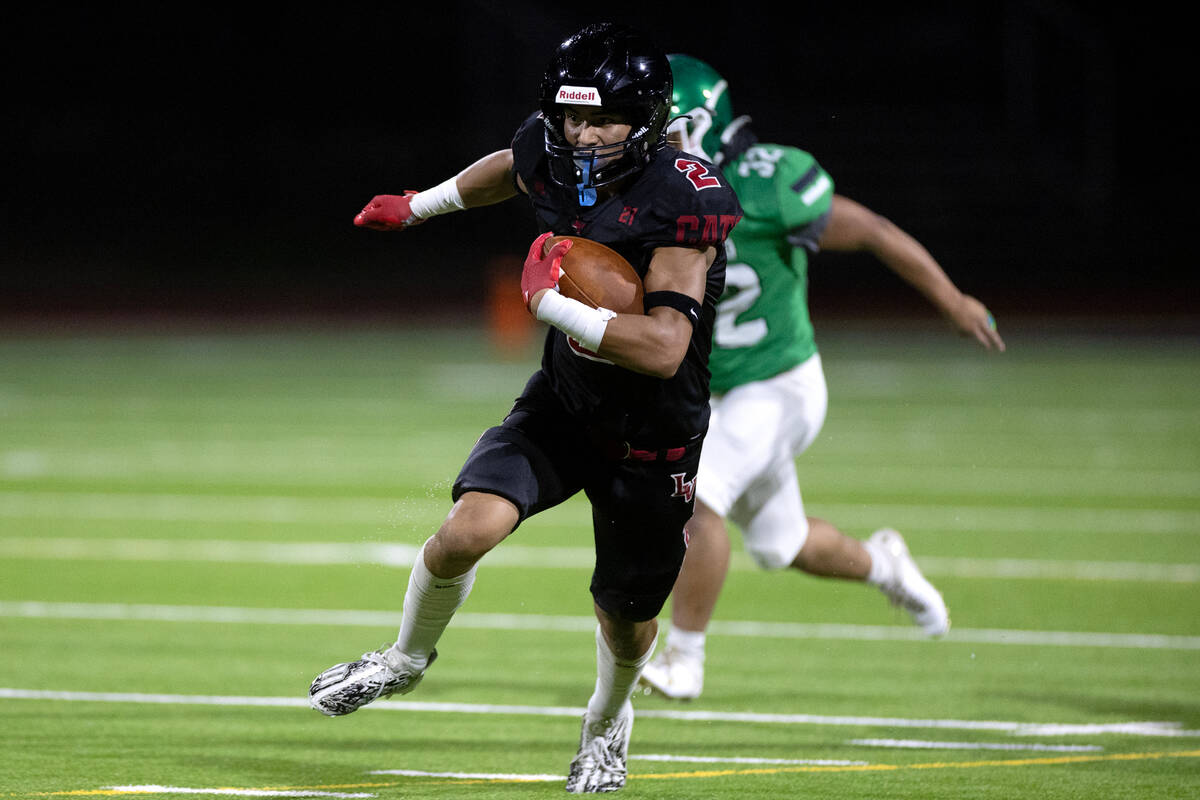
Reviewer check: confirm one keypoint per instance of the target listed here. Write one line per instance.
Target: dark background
(178, 160)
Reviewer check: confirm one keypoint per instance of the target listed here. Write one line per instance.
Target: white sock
(882, 569)
(615, 680)
(688, 643)
(429, 603)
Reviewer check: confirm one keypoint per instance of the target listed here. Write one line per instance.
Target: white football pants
(747, 468)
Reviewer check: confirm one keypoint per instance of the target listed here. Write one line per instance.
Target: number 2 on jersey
(728, 332)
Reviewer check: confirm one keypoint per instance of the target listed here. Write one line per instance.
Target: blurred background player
(619, 407)
(769, 393)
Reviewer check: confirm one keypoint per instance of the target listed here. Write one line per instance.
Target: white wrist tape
(441, 199)
(581, 322)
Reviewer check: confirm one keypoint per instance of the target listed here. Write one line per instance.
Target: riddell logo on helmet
(577, 96)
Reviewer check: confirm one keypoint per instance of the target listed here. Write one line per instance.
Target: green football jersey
(762, 326)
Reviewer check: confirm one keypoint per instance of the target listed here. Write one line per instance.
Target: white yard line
(382, 511)
(214, 458)
(1149, 729)
(1048, 569)
(818, 762)
(917, 744)
(516, 555)
(200, 508)
(157, 789)
(580, 624)
(471, 776)
(221, 550)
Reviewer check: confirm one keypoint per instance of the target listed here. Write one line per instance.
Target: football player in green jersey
(768, 389)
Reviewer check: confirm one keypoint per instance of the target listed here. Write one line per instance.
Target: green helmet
(702, 94)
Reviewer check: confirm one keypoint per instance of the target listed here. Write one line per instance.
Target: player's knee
(775, 535)
(477, 523)
(771, 555)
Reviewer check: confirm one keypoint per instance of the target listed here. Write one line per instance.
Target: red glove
(542, 271)
(388, 212)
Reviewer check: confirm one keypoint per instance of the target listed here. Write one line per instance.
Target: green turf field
(192, 525)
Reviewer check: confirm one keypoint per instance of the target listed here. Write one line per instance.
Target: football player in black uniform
(619, 407)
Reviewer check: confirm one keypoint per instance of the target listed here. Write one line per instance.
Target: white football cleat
(674, 675)
(603, 750)
(349, 686)
(909, 589)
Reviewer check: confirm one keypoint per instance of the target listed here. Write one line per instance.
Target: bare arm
(489, 180)
(855, 228)
(656, 343)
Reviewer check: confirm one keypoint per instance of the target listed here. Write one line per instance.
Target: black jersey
(677, 200)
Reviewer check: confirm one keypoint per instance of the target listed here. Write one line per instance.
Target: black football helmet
(617, 69)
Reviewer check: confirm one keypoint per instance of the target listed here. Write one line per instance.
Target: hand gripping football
(598, 276)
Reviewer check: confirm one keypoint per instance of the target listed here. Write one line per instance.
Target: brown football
(598, 276)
